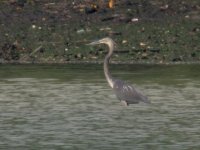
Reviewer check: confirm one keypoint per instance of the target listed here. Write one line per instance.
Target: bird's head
(108, 41)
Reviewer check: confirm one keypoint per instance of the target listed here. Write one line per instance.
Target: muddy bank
(152, 31)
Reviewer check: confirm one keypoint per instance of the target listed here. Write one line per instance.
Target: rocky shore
(33, 31)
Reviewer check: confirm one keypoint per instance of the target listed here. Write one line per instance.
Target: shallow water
(72, 107)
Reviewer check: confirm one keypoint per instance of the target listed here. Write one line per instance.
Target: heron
(126, 93)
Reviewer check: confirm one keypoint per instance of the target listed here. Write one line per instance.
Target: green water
(52, 107)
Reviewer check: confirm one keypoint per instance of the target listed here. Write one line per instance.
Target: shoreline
(98, 63)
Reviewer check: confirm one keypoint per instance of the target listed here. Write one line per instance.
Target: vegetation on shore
(33, 31)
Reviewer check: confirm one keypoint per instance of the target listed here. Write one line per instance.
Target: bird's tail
(146, 100)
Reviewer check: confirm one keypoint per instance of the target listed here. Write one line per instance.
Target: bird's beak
(94, 43)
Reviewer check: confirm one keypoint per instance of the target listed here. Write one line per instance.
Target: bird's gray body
(124, 92)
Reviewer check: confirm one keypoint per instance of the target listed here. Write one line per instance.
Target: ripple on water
(50, 114)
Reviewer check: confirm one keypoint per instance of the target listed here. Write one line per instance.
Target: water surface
(72, 107)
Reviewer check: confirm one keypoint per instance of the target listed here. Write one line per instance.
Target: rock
(93, 57)
(134, 20)
(177, 59)
(78, 56)
(144, 55)
(90, 10)
(9, 52)
(80, 31)
(124, 41)
(142, 44)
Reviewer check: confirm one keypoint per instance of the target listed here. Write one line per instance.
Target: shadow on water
(72, 107)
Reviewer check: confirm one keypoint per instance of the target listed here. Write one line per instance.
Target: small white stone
(33, 26)
(142, 44)
(80, 31)
(124, 41)
(135, 20)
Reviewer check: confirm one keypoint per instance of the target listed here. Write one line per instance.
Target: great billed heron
(126, 93)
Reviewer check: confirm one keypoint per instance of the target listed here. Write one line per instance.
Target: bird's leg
(124, 103)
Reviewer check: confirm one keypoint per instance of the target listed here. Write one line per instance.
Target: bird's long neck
(105, 66)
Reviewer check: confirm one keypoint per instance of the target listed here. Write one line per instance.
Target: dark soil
(146, 31)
